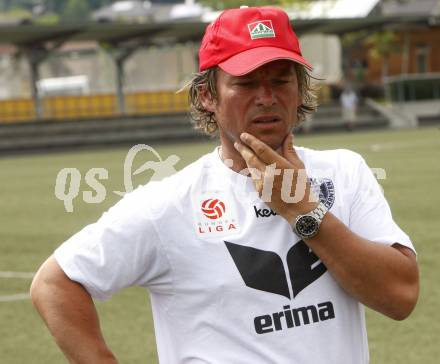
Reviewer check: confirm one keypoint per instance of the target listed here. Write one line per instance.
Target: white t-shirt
(349, 100)
(229, 280)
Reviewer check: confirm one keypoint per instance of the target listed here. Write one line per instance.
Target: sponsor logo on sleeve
(324, 189)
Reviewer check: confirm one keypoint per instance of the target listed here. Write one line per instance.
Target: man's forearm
(382, 277)
(70, 314)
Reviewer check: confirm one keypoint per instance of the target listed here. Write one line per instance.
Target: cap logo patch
(261, 29)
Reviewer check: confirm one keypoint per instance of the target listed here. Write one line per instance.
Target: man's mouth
(266, 120)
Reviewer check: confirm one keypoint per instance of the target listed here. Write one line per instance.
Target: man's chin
(272, 135)
(275, 142)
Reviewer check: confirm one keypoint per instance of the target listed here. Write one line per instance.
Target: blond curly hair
(206, 80)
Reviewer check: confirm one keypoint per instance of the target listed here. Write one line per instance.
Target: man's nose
(265, 95)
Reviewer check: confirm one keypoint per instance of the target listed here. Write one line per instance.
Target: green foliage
(76, 11)
(18, 13)
(227, 4)
(55, 6)
(6, 5)
(48, 19)
(382, 44)
(65, 9)
(353, 39)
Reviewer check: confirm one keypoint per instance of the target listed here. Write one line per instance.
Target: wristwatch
(307, 225)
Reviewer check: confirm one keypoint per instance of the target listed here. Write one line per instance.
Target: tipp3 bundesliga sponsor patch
(261, 29)
(215, 216)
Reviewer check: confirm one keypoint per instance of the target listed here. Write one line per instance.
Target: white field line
(401, 145)
(15, 297)
(23, 275)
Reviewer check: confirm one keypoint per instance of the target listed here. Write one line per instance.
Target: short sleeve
(370, 213)
(121, 249)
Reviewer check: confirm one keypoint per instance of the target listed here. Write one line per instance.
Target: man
(349, 103)
(233, 279)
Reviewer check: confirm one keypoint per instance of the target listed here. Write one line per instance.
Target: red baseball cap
(241, 40)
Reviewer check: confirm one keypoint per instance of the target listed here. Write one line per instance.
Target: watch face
(307, 226)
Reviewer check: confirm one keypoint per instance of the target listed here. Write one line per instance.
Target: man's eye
(281, 81)
(246, 83)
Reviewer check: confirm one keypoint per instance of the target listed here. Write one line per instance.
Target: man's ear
(208, 102)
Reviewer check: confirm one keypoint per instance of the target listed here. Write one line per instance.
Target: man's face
(263, 103)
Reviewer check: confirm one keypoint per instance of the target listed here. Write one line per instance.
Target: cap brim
(249, 60)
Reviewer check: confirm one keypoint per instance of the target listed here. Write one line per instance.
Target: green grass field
(33, 222)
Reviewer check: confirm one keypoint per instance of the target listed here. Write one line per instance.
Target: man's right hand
(70, 314)
(290, 194)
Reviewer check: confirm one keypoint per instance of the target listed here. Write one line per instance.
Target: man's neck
(232, 158)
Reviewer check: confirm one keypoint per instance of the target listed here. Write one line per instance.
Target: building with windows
(403, 57)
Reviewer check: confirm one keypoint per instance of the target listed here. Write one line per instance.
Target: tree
(382, 45)
(76, 10)
(96, 4)
(226, 4)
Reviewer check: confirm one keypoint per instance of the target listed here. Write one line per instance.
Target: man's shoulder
(189, 174)
(329, 156)
(177, 184)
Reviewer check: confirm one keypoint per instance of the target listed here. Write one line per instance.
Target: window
(422, 58)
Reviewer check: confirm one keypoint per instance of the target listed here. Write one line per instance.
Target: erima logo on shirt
(264, 270)
(261, 29)
(294, 317)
